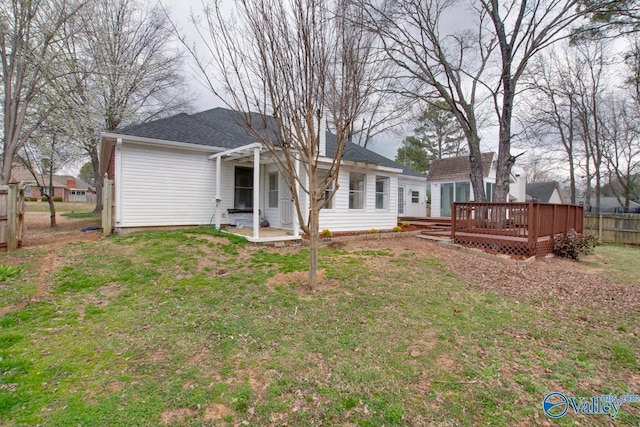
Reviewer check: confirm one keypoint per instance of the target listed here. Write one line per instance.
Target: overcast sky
(180, 10)
(386, 144)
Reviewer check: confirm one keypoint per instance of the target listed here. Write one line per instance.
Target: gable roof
(21, 173)
(221, 127)
(543, 190)
(457, 168)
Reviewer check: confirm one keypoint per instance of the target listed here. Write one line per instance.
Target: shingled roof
(457, 168)
(542, 190)
(221, 127)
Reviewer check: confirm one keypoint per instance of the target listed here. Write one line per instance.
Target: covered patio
(252, 153)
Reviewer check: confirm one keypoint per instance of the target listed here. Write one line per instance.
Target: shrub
(397, 229)
(406, 224)
(57, 199)
(373, 231)
(326, 233)
(33, 199)
(573, 245)
(45, 199)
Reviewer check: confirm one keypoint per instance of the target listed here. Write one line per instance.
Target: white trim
(235, 150)
(118, 180)
(361, 164)
(256, 191)
(161, 142)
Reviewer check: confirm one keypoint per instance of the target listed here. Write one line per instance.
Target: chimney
(71, 183)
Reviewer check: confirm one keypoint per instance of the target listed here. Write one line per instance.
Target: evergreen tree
(439, 132)
(414, 155)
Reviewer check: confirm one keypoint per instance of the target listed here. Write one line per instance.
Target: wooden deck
(524, 229)
(521, 229)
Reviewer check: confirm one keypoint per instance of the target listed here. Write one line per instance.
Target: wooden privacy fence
(614, 228)
(11, 216)
(525, 229)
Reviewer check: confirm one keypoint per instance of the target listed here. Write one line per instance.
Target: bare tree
(281, 65)
(122, 68)
(515, 31)
(550, 109)
(621, 129)
(30, 37)
(590, 77)
(523, 29)
(435, 65)
(43, 154)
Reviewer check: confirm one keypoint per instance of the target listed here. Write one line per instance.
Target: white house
(545, 192)
(449, 181)
(204, 168)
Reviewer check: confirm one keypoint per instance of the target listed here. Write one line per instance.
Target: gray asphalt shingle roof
(542, 190)
(221, 127)
(457, 168)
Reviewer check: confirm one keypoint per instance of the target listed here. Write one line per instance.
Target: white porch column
(217, 201)
(117, 182)
(296, 224)
(256, 192)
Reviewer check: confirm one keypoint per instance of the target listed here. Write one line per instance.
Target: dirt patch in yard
(37, 231)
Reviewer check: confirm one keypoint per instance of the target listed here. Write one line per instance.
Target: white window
(273, 190)
(415, 197)
(382, 192)
(491, 188)
(357, 187)
(322, 177)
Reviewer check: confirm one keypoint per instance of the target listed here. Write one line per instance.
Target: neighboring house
(610, 205)
(449, 180)
(545, 192)
(67, 187)
(204, 168)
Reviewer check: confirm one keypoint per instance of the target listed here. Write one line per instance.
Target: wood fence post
(107, 206)
(453, 222)
(12, 218)
(599, 227)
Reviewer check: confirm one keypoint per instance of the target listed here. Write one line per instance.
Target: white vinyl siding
(410, 186)
(163, 187)
(342, 218)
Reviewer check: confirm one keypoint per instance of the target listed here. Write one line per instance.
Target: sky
(180, 10)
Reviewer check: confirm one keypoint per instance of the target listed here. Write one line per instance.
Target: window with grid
(382, 192)
(357, 187)
(322, 177)
(273, 190)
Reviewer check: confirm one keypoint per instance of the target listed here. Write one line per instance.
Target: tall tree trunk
(505, 159)
(572, 179)
(52, 212)
(95, 162)
(314, 243)
(314, 225)
(477, 172)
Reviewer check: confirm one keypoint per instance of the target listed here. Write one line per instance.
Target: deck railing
(531, 221)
